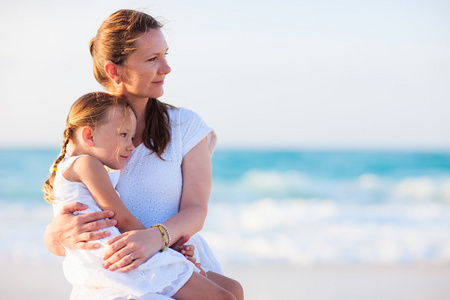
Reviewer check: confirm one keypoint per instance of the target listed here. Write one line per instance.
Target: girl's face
(145, 69)
(113, 140)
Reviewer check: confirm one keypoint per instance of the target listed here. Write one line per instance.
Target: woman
(170, 168)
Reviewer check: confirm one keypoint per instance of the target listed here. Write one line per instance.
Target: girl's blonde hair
(89, 110)
(115, 41)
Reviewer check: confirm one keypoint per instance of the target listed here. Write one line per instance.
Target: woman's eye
(152, 59)
(165, 54)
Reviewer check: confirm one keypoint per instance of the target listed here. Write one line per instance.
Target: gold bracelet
(168, 234)
(163, 235)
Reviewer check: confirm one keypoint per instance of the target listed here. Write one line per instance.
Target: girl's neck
(76, 150)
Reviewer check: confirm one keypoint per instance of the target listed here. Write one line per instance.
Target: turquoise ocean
(278, 207)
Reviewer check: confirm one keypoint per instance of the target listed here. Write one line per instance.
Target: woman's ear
(113, 71)
(87, 135)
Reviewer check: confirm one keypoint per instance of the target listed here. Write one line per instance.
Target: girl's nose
(131, 146)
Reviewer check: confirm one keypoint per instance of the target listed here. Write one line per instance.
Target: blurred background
(332, 119)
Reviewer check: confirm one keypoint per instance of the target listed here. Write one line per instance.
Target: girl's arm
(91, 172)
(196, 168)
(74, 232)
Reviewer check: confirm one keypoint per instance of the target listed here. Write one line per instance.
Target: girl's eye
(123, 135)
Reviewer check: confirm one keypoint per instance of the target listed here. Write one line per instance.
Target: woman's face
(145, 68)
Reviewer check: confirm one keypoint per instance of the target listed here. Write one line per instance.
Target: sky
(289, 74)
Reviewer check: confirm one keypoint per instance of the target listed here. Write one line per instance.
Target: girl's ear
(113, 71)
(87, 134)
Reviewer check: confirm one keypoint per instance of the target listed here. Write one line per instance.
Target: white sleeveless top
(163, 274)
(151, 187)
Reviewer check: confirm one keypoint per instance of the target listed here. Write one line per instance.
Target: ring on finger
(131, 256)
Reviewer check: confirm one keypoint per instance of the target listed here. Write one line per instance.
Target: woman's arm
(196, 169)
(197, 173)
(74, 232)
(91, 172)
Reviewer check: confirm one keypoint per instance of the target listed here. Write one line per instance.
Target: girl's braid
(48, 184)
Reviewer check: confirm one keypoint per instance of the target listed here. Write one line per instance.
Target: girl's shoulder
(87, 163)
(77, 166)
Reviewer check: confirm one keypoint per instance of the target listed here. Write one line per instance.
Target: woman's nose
(165, 68)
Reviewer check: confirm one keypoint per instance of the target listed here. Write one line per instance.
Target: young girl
(99, 132)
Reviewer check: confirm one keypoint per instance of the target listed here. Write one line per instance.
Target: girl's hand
(186, 250)
(132, 248)
(74, 231)
(202, 272)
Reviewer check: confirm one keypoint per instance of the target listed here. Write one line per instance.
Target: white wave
(22, 229)
(291, 231)
(368, 181)
(288, 217)
(257, 184)
(270, 181)
(322, 232)
(422, 188)
(444, 190)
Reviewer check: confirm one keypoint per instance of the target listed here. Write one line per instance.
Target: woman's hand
(74, 231)
(132, 248)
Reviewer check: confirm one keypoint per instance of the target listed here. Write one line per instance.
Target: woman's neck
(139, 104)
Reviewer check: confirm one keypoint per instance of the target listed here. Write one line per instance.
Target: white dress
(163, 274)
(151, 188)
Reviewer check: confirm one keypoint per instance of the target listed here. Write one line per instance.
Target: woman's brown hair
(89, 110)
(115, 41)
